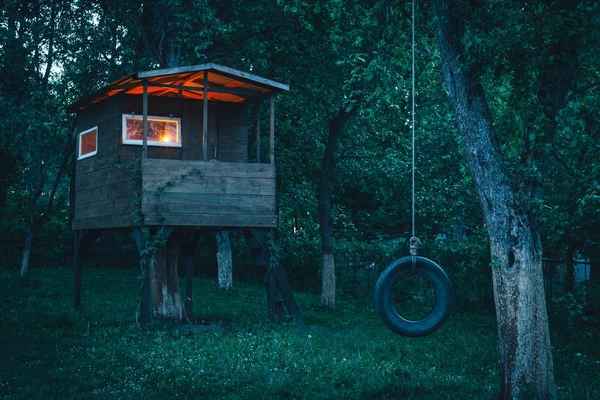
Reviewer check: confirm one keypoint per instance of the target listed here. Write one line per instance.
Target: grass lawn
(47, 351)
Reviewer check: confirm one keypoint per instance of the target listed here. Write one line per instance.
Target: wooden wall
(222, 194)
(227, 128)
(233, 132)
(104, 193)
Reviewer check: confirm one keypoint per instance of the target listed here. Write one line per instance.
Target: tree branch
(582, 90)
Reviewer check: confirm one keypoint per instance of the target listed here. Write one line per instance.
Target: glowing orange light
(166, 139)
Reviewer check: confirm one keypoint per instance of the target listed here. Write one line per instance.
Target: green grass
(47, 351)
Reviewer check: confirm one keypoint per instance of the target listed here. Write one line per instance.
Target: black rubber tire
(444, 296)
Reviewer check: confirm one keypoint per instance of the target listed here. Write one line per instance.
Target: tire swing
(413, 265)
(405, 267)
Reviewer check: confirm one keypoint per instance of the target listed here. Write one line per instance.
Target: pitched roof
(224, 84)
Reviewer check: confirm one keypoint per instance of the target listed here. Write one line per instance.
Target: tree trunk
(570, 274)
(328, 280)
(524, 339)
(68, 156)
(593, 290)
(224, 262)
(26, 252)
(167, 301)
(328, 263)
(7, 176)
(34, 195)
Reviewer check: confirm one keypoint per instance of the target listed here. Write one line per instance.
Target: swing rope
(414, 241)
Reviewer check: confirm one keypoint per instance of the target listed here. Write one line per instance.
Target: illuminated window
(88, 143)
(162, 131)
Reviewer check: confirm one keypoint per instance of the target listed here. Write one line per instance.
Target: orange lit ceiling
(223, 84)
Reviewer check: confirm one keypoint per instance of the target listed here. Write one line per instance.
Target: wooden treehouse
(169, 149)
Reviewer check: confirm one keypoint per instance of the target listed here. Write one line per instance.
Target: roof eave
(216, 67)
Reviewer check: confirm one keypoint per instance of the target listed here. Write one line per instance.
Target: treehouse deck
(198, 193)
(177, 193)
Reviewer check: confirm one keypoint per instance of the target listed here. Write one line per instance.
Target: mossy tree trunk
(524, 337)
(167, 301)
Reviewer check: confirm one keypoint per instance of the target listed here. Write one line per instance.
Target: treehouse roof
(223, 84)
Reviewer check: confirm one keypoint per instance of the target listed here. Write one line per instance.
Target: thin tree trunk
(593, 290)
(224, 262)
(34, 195)
(61, 170)
(328, 263)
(524, 339)
(167, 301)
(50, 55)
(26, 252)
(7, 176)
(570, 264)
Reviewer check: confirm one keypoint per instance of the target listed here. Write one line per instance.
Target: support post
(275, 277)
(145, 121)
(271, 287)
(77, 237)
(258, 131)
(144, 315)
(205, 119)
(189, 273)
(272, 129)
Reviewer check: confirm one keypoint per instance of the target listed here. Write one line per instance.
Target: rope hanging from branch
(413, 264)
(414, 240)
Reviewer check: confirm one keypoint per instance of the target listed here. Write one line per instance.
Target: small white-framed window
(162, 131)
(88, 143)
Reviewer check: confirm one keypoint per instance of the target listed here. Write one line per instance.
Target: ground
(48, 351)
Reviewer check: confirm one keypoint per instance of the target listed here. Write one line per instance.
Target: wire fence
(358, 280)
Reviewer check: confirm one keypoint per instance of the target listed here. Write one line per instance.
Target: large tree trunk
(224, 264)
(524, 339)
(328, 263)
(164, 283)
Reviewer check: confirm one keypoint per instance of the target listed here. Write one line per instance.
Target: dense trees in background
(522, 77)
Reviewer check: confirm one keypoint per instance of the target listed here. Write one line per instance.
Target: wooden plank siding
(222, 194)
(228, 193)
(233, 133)
(103, 191)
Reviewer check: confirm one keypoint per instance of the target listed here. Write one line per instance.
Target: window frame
(92, 153)
(150, 142)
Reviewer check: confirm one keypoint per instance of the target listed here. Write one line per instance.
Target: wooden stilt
(77, 237)
(288, 296)
(189, 273)
(275, 277)
(271, 287)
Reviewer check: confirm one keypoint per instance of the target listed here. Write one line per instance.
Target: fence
(358, 279)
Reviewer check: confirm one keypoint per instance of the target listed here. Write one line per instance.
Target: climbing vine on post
(154, 252)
